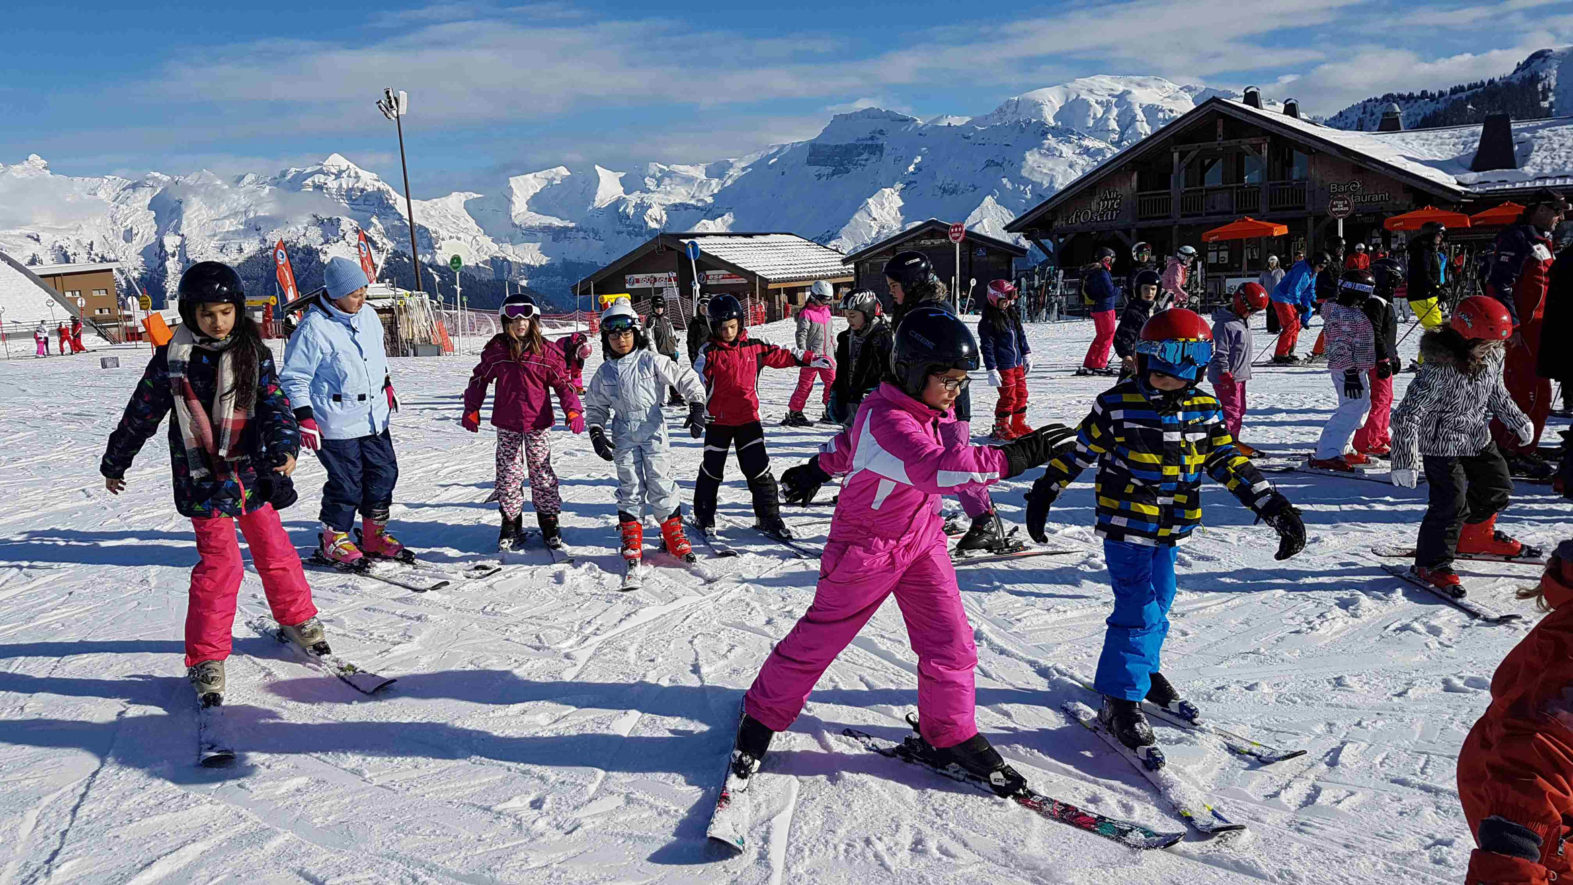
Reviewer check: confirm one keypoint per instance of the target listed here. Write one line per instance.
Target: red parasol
(1246, 228)
(1507, 213)
(1421, 217)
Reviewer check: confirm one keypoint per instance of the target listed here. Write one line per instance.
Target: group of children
(70, 338)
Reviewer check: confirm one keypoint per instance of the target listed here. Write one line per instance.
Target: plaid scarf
(207, 452)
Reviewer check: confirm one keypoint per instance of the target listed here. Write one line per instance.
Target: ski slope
(545, 728)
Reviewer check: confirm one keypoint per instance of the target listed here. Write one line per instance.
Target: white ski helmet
(619, 308)
(821, 291)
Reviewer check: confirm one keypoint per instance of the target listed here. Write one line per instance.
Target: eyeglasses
(952, 385)
(519, 311)
(618, 325)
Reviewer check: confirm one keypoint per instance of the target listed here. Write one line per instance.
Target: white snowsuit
(629, 392)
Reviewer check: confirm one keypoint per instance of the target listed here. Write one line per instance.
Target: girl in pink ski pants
(887, 538)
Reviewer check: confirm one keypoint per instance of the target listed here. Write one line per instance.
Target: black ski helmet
(1388, 274)
(1321, 259)
(909, 269)
(208, 282)
(930, 340)
(658, 301)
(723, 308)
(1355, 286)
(1148, 277)
(1104, 252)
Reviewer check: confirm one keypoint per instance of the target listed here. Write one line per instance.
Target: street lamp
(394, 107)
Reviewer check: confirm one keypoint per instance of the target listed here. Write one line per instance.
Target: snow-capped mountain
(867, 175)
(1540, 86)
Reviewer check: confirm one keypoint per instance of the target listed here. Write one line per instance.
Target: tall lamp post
(394, 107)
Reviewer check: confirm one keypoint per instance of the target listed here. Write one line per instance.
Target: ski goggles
(619, 325)
(519, 311)
(1184, 356)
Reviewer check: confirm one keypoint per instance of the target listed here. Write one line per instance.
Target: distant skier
(662, 336)
(730, 365)
(698, 328)
(76, 336)
(1292, 299)
(1326, 291)
(1358, 259)
(1138, 310)
(1149, 500)
(862, 353)
(901, 453)
(1141, 260)
(1443, 427)
(1175, 274)
(233, 444)
(1100, 296)
(575, 348)
(41, 339)
(1515, 770)
(1425, 276)
(624, 399)
(526, 370)
(1008, 358)
(1375, 436)
(1269, 280)
(1230, 367)
(1351, 356)
(336, 373)
(813, 336)
(64, 333)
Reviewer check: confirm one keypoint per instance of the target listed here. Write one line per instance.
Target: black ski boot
(551, 535)
(511, 535)
(767, 506)
(750, 746)
(1126, 721)
(987, 535)
(1530, 465)
(1162, 693)
(975, 755)
(796, 419)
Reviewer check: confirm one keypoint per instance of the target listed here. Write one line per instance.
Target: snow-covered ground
(547, 728)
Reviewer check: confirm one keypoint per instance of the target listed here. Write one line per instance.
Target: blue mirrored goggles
(519, 311)
(618, 325)
(1178, 353)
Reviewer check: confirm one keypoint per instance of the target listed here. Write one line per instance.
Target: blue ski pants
(361, 476)
(1143, 579)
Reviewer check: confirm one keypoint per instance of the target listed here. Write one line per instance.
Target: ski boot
(336, 549)
(1126, 721)
(511, 535)
(1083, 371)
(766, 497)
(1018, 425)
(1441, 578)
(773, 526)
(1380, 450)
(1357, 459)
(207, 677)
(633, 538)
(750, 746)
(1530, 465)
(975, 756)
(1246, 450)
(376, 542)
(1287, 359)
(676, 542)
(1483, 537)
(1339, 464)
(551, 534)
(796, 419)
(1163, 694)
(307, 635)
(1003, 431)
(987, 535)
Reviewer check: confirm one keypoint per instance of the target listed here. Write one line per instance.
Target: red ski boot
(1338, 464)
(1002, 430)
(1018, 424)
(633, 540)
(376, 542)
(676, 542)
(1443, 578)
(1482, 537)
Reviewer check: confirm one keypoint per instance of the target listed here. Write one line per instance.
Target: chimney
(1392, 120)
(1496, 145)
(1291, 108)
(1253, 97)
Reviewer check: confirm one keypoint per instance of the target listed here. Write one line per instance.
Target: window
(73, 293)
(101, 311)
(100, 293)
(1217, 253)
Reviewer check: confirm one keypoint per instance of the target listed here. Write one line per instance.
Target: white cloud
(1373, 70)
(46, 201)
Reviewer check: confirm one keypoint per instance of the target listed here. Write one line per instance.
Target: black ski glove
(697, 420)
(800, 484)
(603, 446)
(1036, 448)
(1285, 520)
(1384, 369)
(1353, 388)
(1039, 500)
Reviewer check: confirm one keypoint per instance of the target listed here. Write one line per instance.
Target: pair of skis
(421, 577)
(1475, 609)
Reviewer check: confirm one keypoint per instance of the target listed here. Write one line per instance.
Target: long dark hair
(246, 343)
(999, 320)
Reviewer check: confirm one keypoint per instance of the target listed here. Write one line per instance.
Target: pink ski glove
(310, 434)
(576, 422)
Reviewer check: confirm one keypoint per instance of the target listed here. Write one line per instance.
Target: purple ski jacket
(522, 403)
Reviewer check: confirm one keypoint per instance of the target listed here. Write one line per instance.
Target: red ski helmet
(1176, 342)
(1249, 298)
(1001, 290)
(1479, 316)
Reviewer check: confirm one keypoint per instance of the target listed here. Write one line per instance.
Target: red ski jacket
(1515, 770)
(731, 374)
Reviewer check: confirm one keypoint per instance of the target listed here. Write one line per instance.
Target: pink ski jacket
(898, 457)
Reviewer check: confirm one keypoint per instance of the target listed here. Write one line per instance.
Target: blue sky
(497, 88)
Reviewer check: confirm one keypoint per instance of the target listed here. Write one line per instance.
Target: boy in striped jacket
(1152, 436)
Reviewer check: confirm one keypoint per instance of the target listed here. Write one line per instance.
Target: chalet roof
(49, 270)
(774, 257)
(931, 226)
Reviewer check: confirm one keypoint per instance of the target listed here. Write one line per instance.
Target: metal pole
(458, 302)
(409, 204)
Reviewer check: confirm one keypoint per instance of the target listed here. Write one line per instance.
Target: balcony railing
(1285, 195)
(1154, 205)
(1229, 199)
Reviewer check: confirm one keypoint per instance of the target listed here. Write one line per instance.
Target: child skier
(524, 367)
(862, 352)
(628, 391)
(65, 339)
(1230, 367)
(900, 454)
(659, 332)
(1292, 300)
(730, 364)
(813, 336)
(336, 374)
(233, 443)
(1445, 420)
(1374, 438)
(575, 348)
(40, 340)
(1516, 767)
(1138, 309)
(1152, 436)
(1008, 358)
(1351, 355)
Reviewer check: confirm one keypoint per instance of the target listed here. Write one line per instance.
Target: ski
(362, 681)
(663, 558)
(421, 577)
(213, 750)
(1468, 606)
(1130, 834)
(1529, 556)
(798, 550)
(1238, 744)
(633, 575)
(1186, 800)
(711, 540)
(961, 560)
(733, 812)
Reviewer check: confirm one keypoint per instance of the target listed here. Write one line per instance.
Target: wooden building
(89, 289)
(769, 269)
(983, 258)
(1227, 159)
